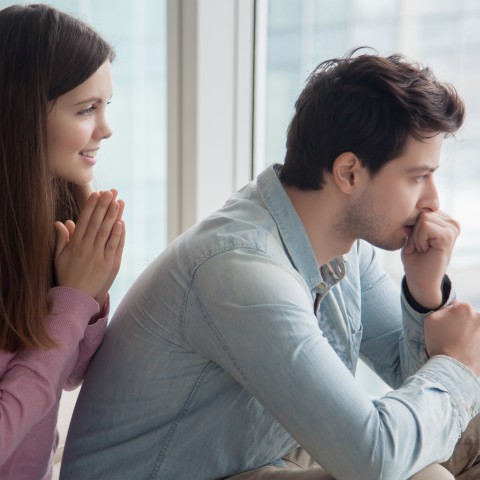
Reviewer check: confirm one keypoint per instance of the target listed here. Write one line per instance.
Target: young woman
(60, 244)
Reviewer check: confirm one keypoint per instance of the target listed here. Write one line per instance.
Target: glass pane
(134, 160)
(299, 34)
(443, 34)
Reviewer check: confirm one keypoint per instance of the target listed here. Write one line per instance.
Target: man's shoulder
(240, 224)
(220, 234)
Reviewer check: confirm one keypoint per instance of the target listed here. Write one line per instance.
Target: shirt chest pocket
(341, 324)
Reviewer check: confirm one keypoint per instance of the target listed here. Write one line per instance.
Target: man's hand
(455, 331)
(426, 255)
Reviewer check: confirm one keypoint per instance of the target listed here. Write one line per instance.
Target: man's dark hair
(368, 105)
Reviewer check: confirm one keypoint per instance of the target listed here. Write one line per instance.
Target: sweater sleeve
(88, 346)
(32, 380)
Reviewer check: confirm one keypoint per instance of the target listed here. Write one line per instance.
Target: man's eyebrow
(421, 168)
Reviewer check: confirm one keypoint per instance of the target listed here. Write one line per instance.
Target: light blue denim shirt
(215, 362)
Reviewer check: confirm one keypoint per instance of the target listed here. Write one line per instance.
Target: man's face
(389, 204)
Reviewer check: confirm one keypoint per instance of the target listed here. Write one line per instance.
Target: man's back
(215, 362)
(156, 400)
(153, 404)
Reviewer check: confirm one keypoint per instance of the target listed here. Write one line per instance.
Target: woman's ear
(347, 171)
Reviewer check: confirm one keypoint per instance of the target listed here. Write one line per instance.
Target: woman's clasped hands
(88, 254)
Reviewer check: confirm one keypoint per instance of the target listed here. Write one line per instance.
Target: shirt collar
(289, 225)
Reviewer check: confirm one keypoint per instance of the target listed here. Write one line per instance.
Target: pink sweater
(31, 384)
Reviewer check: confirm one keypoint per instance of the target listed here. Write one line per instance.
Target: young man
(234, 353)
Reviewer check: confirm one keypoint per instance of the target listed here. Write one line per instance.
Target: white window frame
(210, 105)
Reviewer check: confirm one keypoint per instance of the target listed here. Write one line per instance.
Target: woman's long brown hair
(44, 53)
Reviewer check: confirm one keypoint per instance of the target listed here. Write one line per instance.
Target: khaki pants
(300, 466)
(464, 463)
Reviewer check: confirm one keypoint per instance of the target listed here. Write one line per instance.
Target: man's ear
(347, 171)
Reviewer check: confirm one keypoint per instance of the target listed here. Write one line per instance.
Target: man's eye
(422, 178)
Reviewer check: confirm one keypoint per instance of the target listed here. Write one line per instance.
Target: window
(134, 160)
(294, 36)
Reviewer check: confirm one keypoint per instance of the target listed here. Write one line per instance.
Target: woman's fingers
(121, 205)
(85, 215)
(88, 253)
(97, 216)
(105, 229)
(62, 238)
(114, 240)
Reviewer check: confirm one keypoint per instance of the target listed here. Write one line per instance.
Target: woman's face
(76, 125)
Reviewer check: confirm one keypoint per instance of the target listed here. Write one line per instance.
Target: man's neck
(319, 211)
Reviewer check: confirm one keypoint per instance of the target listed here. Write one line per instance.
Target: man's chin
(389, 245)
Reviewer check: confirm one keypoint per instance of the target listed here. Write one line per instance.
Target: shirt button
(322, 287)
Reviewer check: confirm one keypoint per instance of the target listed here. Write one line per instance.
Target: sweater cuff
(103, 313)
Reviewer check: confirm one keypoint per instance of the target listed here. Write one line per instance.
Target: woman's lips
(89, 156)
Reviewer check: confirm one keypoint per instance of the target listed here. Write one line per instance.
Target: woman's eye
(88, 110)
